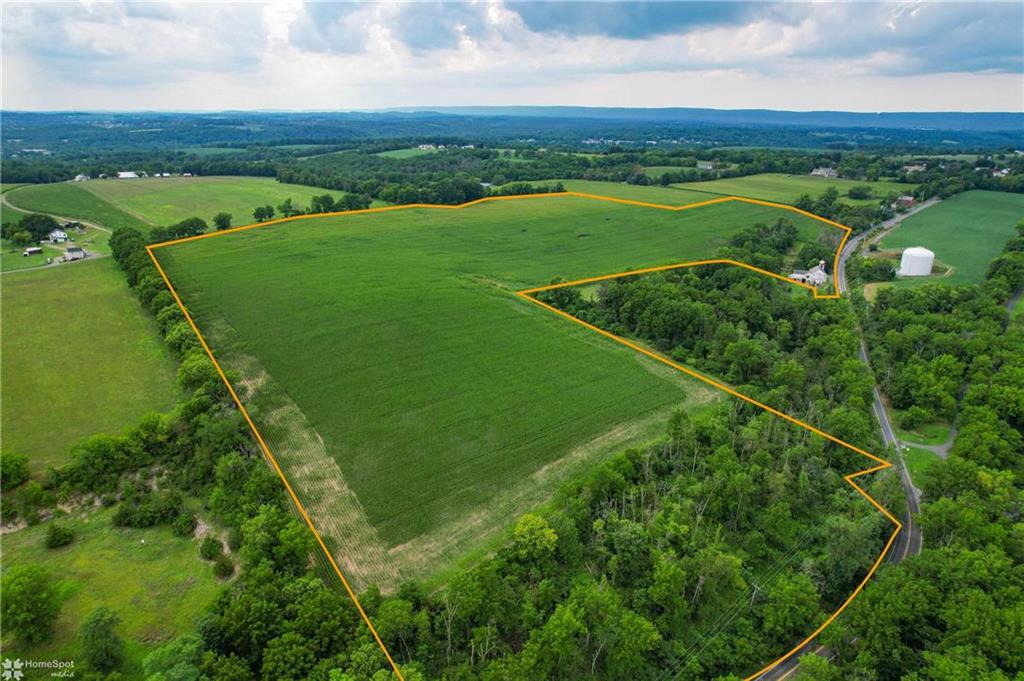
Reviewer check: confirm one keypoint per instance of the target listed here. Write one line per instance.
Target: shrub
(13, 470)
(185, 524)
(223, 567)
(101, 647)
(58, 535)
(210, 548)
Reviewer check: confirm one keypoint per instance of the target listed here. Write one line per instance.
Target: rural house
(57, 236)
(816, 276)
(81, 177)
(903, 202)
(74, 253)
(825, 172)
(127, 175)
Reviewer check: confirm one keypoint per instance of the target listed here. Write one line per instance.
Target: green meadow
(669, 196)
(166, 200)
(965, 232)
(80, 357)
(390, 350)
(788, 188)
(72, 200)
(155, 581)
(405, 153)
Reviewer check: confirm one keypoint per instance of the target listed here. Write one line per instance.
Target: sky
(289, 54)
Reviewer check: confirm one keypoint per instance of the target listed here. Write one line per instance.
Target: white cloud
(286, 54)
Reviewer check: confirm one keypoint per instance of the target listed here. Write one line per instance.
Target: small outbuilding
(127, 175)
(916, 262)
(33, 250)
(74, 253)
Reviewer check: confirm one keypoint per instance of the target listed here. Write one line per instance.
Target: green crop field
(153, 580)
(788, 188)
(965, 232)
(72, 200)
(80, 357)
(415, 402)
(166, 200)
(668, 196)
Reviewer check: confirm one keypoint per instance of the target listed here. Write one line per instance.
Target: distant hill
(941, 120)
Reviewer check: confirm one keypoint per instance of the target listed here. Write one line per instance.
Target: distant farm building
(903, 202)
(57, 236)
(825, 172)
(81, 177)
(33, 250)
(706, 165)
(127, 175)
(74, 253)
(916, 262)
(916, 168)
(816, 276)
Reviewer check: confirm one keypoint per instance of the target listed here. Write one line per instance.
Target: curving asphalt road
(908, 542)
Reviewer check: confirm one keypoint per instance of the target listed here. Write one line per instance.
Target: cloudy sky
(288, 54)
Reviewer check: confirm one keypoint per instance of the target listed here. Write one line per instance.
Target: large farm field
(80, 357)
(147, 202)
(415, 403)
(71, 200)
(788, 188)
(672, 196)
(965, 232)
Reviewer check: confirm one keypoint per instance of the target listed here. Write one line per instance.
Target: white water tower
(916, 262)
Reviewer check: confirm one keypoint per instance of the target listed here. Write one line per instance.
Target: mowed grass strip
(153, 580)
(965, 231)
(788, 188)
(167, 200)
(80, 357)
(71, 200)
(400, 338)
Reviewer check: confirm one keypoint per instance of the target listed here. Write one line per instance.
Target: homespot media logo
(14, 670)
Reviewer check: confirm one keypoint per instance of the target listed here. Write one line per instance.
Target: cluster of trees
(30, 229)
(953, 611)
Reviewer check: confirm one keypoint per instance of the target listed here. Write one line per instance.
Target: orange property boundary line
(527, 294)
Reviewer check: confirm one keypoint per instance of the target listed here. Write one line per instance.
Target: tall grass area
(153, 580)
(788, 188)
(399, 338)
(965, 232)
(79, 357)
(71, 200)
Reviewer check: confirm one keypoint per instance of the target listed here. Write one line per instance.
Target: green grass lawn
(211, 151)
(80, 357)
(396, 341)
(72, 200)
(927, 434)
(7, 186)
(788, 188)
(965, 231)
(669, 196)
(405, 153)
(12, 258)
(153, 580)
(918, 460)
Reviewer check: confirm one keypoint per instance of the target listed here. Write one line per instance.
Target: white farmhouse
(825, 172)
(81, 177)
(127, 175)
(816, 276)
(57, 236)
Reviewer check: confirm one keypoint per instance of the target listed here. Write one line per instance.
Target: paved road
(908, 542)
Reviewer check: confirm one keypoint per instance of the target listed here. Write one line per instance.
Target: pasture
(669, 196)
(72, 200)
(166, 200)
(80, 357)
(416, 404)
(153, 580)
(788, 188)
(965, 231)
